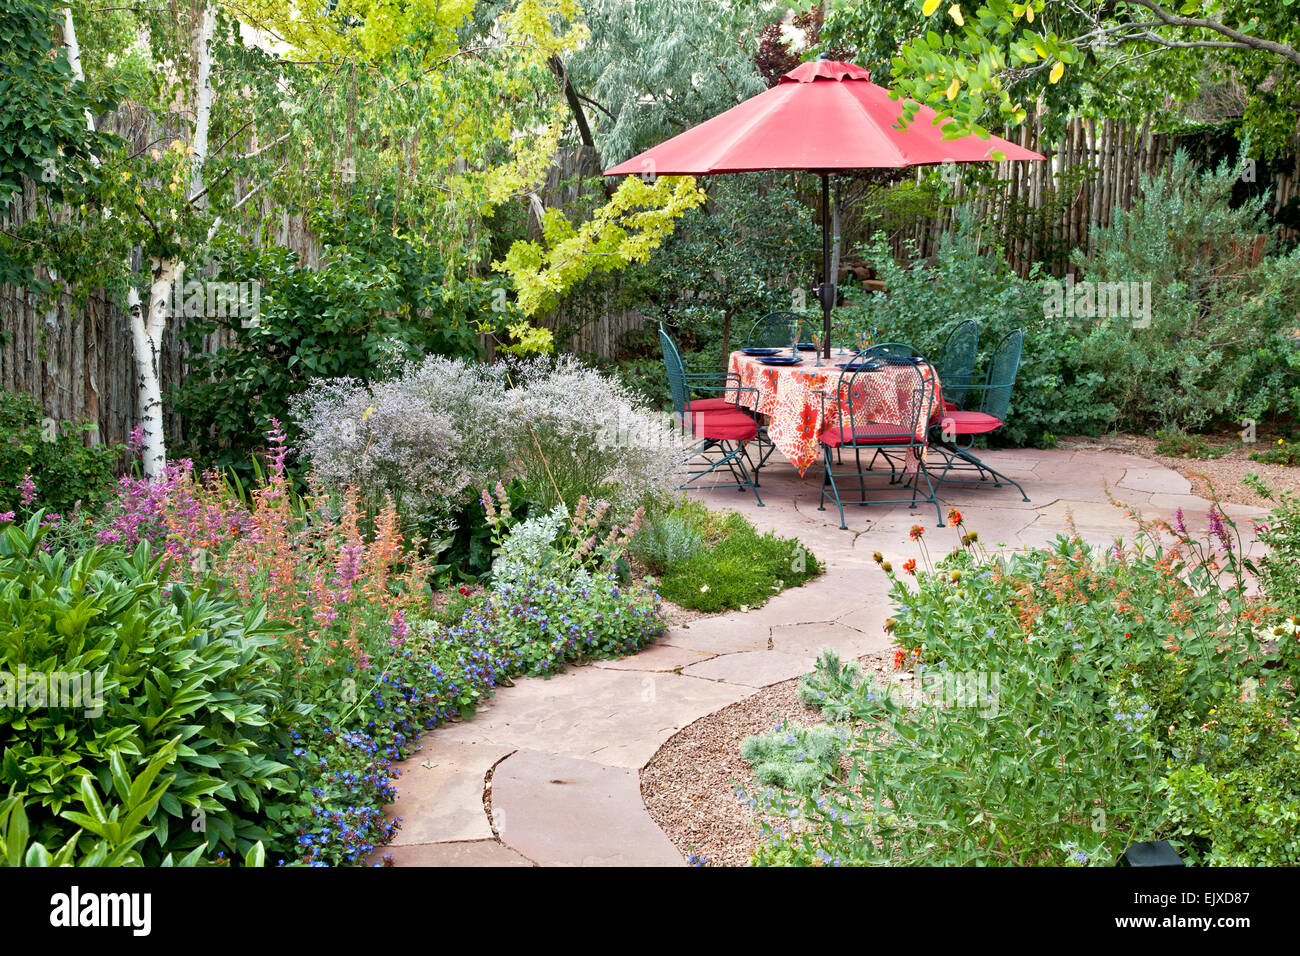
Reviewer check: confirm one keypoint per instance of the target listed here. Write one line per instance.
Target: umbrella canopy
(824, 116)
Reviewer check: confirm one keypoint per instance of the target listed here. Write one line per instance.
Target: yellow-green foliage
(454, 124)
(528, 339)
(366, 30)
(635, 221)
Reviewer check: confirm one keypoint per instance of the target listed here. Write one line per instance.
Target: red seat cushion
(869, 433)
(711, 405)
(729, 424)
(969, 423)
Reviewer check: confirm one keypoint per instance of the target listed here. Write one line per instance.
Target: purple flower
(1218, 528)
(399, 627)
(1179, 524)
(27, 490)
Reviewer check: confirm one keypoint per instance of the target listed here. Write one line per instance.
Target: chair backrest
(1002, 375)
(894, 352)
(919, 409)
(773, 330)
(676, 369)
(957, 362)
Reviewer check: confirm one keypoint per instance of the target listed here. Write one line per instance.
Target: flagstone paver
(754, 668)
(563, 754)
(558, 811)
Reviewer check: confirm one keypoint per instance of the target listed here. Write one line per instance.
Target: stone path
(557, 760)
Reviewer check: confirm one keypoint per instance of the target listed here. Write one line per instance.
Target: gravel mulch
(690, 785)
(1226, 474)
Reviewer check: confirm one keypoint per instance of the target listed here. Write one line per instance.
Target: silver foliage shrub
(443, 428)
(428, 437)
(583, 432)
(529, 548)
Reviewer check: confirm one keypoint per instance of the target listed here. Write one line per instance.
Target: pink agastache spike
(27, 490)
(279, 449)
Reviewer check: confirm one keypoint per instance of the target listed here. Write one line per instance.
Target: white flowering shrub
(428, 437)
(442, 429)
(584, 432)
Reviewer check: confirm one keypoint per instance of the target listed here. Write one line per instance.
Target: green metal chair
(956, 366)
(858, 435)
(955, 433)
(773, 330)
(718, 432)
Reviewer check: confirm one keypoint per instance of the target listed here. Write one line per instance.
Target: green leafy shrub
(64, 470)
(1283, 453)
(1055, 394)
(1036, 729)
(737, 567)
(1233, 787)
(104, 832)
(378, 297)
(159, 666)
(1218, 345)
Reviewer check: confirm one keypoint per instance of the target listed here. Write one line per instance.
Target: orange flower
(909, 566)
(916, 532)
(954, 517)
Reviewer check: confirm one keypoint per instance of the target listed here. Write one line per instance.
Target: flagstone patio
(547, 772)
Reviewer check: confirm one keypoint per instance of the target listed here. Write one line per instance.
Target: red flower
(900, 658)
(954, 517)
(909, 566)
(463, 591)
(916, 532)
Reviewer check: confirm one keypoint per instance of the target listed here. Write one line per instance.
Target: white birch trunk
(148, 321)
(74, 63)
(202, 99)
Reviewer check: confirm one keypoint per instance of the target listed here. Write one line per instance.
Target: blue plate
(901, 359)
(755, 350)
(807, 347)
(858, 366)
(782, 360)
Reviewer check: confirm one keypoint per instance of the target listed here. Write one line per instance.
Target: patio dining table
(790, 396)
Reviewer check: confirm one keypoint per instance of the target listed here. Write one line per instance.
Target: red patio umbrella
(824, 116)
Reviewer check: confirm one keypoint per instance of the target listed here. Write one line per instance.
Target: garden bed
(691, 785)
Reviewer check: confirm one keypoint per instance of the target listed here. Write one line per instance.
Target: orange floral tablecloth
(789, 397)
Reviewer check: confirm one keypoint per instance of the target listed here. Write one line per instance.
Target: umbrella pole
(828, 282)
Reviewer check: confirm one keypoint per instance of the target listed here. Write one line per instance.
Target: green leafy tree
(1002, 60)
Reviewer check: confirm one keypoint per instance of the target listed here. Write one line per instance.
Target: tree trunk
(148, 320)
(74, 63)
(202, 99)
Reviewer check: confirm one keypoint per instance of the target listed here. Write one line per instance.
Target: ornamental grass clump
(581, 432)
(1050, 691)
